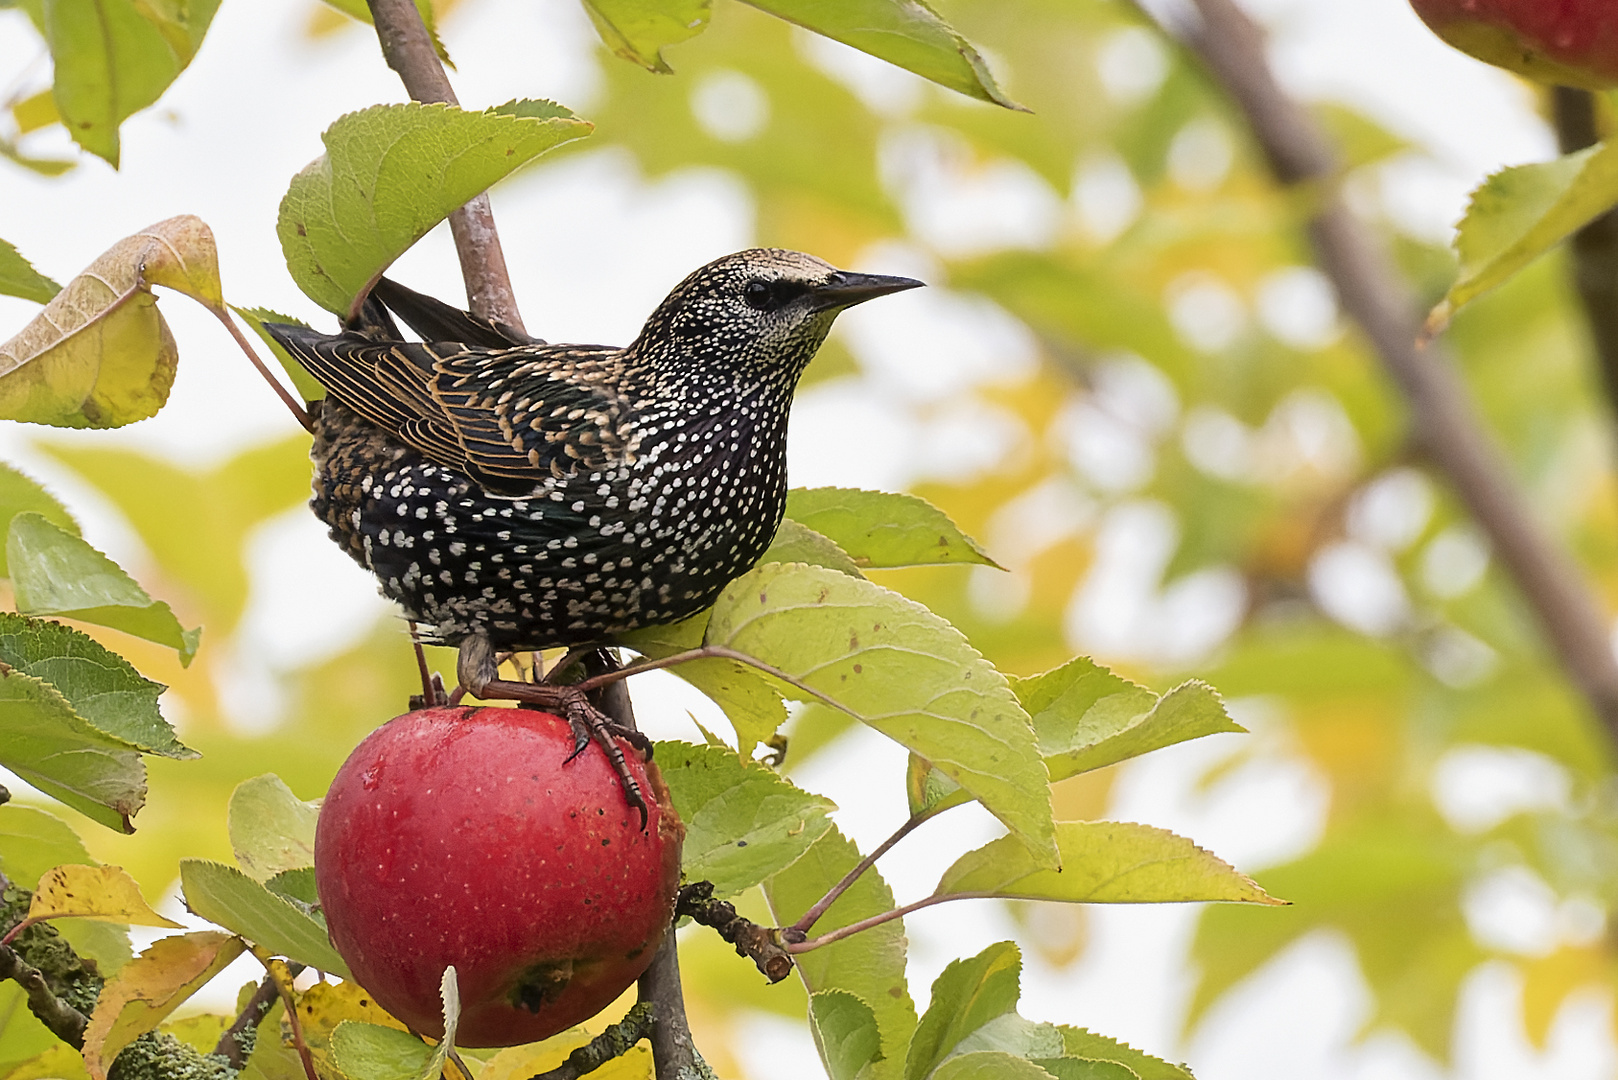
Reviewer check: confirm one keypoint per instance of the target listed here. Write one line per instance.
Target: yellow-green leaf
(1103, 862)
(149, 988)
(19, 278)
(637, 30)
(1520, 213)
(271, 829)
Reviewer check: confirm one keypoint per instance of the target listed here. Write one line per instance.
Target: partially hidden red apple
(458, 836)
(1565, 42)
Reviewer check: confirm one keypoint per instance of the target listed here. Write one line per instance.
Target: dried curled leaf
(100, 355)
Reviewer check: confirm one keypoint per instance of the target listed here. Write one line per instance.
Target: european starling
(511, 494)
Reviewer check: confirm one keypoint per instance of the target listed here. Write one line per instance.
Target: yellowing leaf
(100, 355)
(93, 892)
(149, 988)
(1103, 862)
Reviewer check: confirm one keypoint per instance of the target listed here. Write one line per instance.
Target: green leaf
(1086, 1045)
(906, 33)
(103, 688)
(42, 166)
(881, 529)
(928, 790)
(224, 895)
(50, 746)
(968, 994)
(796, 542)
(111, 62)
(989, 1065)
(19, 278)
(1520, 213)
(99, 354)
(743, 822)
(296, 885)
(1103, 862)
(1087, 717)
(307, 386)
(845, 1032)
(33, 842)
(373, 1052)
(56, 573)
(271, 830)
(392, 172)
(19, 494)
(1086, 1069)
(637, 30)
(869, 965)
(896, 666)
(752, 703)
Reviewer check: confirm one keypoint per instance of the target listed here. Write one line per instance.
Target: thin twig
(235, 1044)
(63, 1020)
(1595, 247)
(712, 652)
(279, 973)
(1444, 421)
(409, 51)
(877, 920)
(799, 930)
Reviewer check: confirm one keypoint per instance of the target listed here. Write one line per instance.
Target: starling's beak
(845, 289)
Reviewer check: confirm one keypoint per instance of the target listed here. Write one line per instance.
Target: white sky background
(592, 247)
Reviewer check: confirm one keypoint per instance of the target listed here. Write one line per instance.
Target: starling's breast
(649, 541)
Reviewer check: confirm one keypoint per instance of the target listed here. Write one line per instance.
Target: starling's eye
(759, 295)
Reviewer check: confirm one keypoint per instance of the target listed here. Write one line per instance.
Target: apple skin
(1563, 42)
(458, 836)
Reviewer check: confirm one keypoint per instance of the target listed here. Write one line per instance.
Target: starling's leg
(479, 671)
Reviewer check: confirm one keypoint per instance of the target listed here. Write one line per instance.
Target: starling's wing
(512, 419)
(435, 320)
(527, 415)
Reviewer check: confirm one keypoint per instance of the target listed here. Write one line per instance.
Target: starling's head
(764, 309)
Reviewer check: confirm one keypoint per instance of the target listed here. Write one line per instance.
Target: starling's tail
(436, 321)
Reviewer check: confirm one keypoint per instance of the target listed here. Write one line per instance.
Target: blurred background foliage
(1187, 462)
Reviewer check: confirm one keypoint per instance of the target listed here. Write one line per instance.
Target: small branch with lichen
(63, 1020)
(758, 943)
(638, 1023)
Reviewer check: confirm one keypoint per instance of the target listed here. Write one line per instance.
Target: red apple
(458, 836)
(1567, 42)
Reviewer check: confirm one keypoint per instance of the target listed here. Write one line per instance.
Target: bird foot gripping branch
(479, 674)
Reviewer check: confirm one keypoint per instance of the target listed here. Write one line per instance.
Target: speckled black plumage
(550, 495)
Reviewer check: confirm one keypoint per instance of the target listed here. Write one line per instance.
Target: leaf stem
(715, 652)
(877, 920)
(299, 412)
(799, 930)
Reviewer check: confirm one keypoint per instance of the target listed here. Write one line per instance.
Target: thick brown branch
(1595, 247)
(1445, 425)
(409, 51)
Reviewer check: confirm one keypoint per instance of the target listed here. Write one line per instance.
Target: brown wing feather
(510, 418)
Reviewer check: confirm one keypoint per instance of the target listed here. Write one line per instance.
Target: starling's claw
(477, 670)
